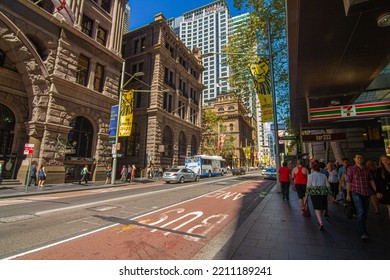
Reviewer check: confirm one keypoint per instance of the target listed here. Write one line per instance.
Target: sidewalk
(277, 231)
(8, 191)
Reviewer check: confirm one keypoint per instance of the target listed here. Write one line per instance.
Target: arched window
(194, 146)
(231, 108)
(221, 109)
(182, 144)
(168, 141)
(81, 135)
(7, 126)
(231, 126)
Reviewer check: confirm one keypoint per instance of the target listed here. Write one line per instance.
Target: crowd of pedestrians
(360, 184)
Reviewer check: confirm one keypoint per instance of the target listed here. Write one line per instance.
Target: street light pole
(275, 113)
(121, 86)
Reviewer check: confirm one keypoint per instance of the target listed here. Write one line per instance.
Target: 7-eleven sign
(348, 111)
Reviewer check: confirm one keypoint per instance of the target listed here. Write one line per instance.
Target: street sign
(28, 149)
(323, 137)
(111, 141)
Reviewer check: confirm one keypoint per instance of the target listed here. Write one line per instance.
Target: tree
(212, 129)
(252, 38)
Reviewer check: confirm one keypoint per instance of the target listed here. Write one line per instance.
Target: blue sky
(143, 11)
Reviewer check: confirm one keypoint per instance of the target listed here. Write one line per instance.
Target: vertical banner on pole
(262, 79)
(126, 113)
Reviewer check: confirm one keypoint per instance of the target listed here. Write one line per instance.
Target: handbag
(349, 209)
(305, 210)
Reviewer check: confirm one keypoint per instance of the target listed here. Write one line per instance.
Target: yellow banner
(262, 80)
(247, 152)
(126, 113)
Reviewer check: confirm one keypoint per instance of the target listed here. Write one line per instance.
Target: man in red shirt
(358, 180)
(284, 179)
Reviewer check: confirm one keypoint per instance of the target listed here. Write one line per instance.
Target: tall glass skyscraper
(207, 28)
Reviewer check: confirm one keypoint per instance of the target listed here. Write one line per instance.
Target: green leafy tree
(252, 38)
(212, 128)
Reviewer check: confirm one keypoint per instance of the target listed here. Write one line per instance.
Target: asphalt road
(151, 221)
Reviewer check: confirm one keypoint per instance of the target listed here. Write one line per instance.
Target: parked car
(270, 173)
(238, 171)
(180, 175)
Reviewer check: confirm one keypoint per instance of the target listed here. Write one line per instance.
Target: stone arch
(22, 52)
(167, 141)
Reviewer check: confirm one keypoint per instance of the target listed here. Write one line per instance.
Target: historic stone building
(59, 77)
(167, 105)
(239, 125)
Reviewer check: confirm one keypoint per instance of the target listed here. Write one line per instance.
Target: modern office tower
(207, 28)
(126, 19)
(59, 77)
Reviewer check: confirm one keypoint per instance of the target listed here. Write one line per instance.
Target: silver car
(180, 175)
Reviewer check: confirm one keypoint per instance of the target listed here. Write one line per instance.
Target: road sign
(28, 149)
(111, 141)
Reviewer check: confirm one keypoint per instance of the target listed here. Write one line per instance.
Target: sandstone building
(167, 106)
(58, 81)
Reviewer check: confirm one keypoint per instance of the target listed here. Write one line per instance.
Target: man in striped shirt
(358, 180)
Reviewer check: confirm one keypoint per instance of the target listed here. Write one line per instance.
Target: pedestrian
(318, 189)
(152, 171)
(123, 173)
(284, 174)
(132, 173)
(84, 174)
(42, 177)
(333, 180)
(1, 171)
(299, 175)
(148, 172)
(370, 164)
(33, 174)
(108, 174)
(358, 180)
(324, 171)
(342, 174)
(383, 177)
(128, 173)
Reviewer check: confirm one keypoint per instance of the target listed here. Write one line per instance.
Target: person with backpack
(84, 174)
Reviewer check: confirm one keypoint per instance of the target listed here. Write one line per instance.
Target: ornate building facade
(238, 125)
(167, 105)
(58, 81)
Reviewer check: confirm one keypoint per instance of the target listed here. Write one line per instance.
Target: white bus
(206, 166)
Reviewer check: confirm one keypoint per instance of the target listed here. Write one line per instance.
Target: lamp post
(121, 87)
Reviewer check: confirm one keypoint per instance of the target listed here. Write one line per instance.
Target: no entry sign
(28, 149)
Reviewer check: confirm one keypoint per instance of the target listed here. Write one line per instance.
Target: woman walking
(108, 174)
(383, 187)
(333, 179)
(41, 177)
(318, 189)
(299, 175)
(373, 170)
(132, 173)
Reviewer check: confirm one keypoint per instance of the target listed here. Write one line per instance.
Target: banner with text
(262, 79)
(126, 113)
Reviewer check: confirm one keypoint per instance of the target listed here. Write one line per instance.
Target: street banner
(247, 152)
(262, 79)
(126, 113)
(221, 141)
(63, 9)
(113, 120)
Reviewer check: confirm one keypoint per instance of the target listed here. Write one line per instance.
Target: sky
(143, 11)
